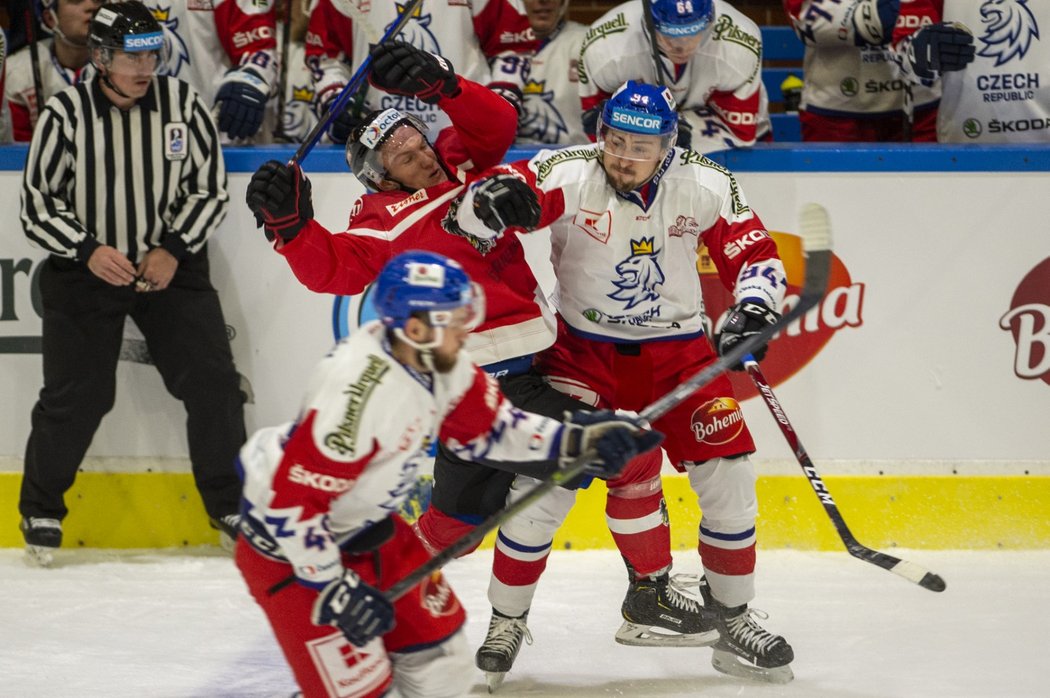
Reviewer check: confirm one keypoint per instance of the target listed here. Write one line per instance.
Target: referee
(123, 184)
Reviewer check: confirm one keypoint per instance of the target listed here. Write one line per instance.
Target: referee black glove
(279, 196)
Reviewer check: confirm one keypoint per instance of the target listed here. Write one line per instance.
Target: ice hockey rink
(180, 624)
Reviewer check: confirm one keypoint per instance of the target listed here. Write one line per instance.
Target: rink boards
(929, 362)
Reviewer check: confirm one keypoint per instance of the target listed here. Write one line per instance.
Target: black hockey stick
(339, 103)
(650, 31)
(908, 570)
(38, 89)
(816, 241)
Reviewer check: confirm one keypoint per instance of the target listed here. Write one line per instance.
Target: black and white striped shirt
(152, 176)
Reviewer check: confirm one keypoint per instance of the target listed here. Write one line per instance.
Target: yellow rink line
(157, 510)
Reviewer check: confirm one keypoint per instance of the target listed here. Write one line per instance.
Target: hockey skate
(228, 527)
(496, 655)
(43, 537)
(658, 615)
(744, 648)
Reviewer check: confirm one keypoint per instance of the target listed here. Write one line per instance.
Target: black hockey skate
(657, 615)
(43, 537)
(497, 653)
(228, 527)
(745, 649)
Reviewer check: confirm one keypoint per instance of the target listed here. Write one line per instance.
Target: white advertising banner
(933, 343)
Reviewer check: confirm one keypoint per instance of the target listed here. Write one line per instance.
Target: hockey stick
(282, 79)
(816, 240)
(650, 31)
(339, 103)
(38, 90)
(908, 570)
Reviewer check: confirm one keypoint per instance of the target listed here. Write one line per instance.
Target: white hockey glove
(360, 610)
(613, 439)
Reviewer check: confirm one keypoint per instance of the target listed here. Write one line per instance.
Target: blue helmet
(641, 109)
(682, 17)
(425, 282)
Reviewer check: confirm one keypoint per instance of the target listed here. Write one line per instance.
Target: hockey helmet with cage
(679, 18)
(363, 148)
(125, 26)
(640, 109)
(427, 285)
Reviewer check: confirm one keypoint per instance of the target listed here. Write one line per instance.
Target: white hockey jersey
(205, 38)
(719, 91)
(845, 80)
(1004, 95)
(549, 82)
(20, 90)
(459, 30)
(362, 440)
(626, 264)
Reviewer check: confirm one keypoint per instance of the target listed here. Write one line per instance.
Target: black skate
(658, 615)
(745, 649)
(43, 537)
(496, 655)
(228, 527)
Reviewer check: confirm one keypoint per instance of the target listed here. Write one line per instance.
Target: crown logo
(415, 13)
(302, 94)
(161, 14)
(643, 246)
(532, 87)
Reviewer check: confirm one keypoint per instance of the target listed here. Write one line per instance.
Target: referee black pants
(83, 326)
(472, 492)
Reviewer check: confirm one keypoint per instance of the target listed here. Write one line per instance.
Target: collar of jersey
(424, 379)
(644, 195)
(147, 101)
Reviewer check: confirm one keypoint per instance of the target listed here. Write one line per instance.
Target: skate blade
(646, 636)
(729, 663)
(39, 555)
(495, 679)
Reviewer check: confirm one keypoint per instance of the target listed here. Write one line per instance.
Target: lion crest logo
(541, 122)
(640, 274)
(417, 31)
(1009, 30)
(175, 52)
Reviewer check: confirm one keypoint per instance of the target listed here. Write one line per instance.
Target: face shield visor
(682, 27)
(466, 316)
(634, 146)
(388, 132)
(137, 56)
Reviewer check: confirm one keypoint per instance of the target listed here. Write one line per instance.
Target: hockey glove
(940, 48)
(512, 93)
(590, 120)
(241, 100)
(348, 119)
(612, 438)
(402, 69)
(504, 201)
(279, 196)
(359, 610)
(873, 21)
(685, 134)
(746, 318)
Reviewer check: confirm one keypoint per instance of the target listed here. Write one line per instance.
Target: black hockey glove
(685, 133)
(352, 116)
(241, 100)
(504, 201)
(361, 611)
(613, 438)
(402, 69)
(744, 319)
(279, 196)
(512, 93)
(873, 21)
(590, 120)
(940, 48)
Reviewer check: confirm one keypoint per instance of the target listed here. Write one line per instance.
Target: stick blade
(814, 227)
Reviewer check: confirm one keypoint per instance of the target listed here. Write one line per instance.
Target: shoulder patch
(343, 439)
(545, 167)
(726, 30)
(396, 208)
(614, 26)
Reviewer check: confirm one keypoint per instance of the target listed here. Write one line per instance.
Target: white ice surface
(181, 624)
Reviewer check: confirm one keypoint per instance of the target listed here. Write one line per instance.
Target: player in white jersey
(1004, 95)
(321, 539)
(626, 218)
(710, 57)
(227, 51)
(463, 32)
(61, 61)
(547, 78)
